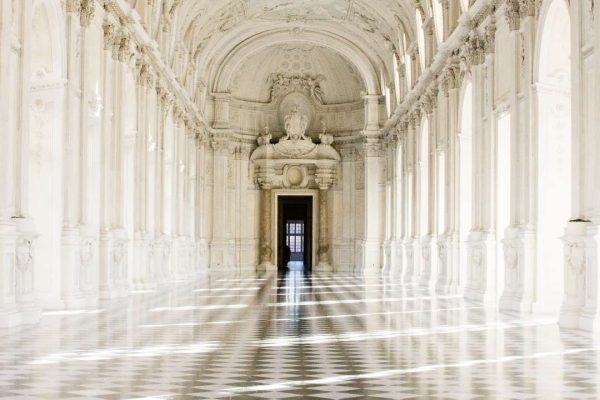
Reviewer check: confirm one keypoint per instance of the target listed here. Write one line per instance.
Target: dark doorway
(294, 231)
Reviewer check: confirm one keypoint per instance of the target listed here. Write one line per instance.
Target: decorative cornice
(477, 15)
(133, 35)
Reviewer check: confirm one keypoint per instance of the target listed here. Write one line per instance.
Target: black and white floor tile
(296, 337)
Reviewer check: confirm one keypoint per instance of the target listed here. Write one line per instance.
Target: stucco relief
(308, 84)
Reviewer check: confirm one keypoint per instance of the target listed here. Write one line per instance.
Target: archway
(553, 149)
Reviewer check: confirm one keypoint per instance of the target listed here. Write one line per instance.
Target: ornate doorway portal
(294, 164)
(294, 232)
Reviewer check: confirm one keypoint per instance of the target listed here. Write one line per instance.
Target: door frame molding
(276, 193)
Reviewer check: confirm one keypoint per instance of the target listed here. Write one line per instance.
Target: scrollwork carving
(307, 84)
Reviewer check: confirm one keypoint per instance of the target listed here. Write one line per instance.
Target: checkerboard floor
(296, 336)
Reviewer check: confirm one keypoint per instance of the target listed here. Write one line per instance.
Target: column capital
(373, 147)
(325, 178)
(490, 34)
(87, 10)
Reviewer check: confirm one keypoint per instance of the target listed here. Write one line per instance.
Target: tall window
(295, 236)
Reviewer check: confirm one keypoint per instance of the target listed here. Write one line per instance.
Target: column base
(409, 260)
(519, 248)
(266, 267)
(581, 303)
(343, 255)
(323, 266)
(481, 279)
(448, 264)
(396, 251)
(371, 252)
(222, 254)
(426, 246)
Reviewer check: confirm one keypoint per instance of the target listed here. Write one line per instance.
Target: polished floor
(296, 336)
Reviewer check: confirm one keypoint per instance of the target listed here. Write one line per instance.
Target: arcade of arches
(446, 145)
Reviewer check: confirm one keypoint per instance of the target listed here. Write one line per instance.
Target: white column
(481, 250)
(428, 254)
(581, 304)
(374, 194)
(519, 245)
(71, 237)
(108, 164)
(324, 178)
(202, 210)
(266, 247)
(221, 249)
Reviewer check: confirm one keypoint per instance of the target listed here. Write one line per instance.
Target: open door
(294, 227)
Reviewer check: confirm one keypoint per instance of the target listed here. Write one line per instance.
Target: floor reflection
(295, 335)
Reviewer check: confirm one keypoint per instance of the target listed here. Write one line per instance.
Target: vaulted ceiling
(374, 47)
(222, 36)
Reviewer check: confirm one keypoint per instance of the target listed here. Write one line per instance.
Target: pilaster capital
(73, 6)
(414, 118)
(429, 101)
(222, 147)
(451, 74)
(87, 10)
(125, 53)
(324, 178)
(244, 151)
(474, 49)
(348, 153)
(373, 147)
(512, 13)
(490, 34)
(402, 127)
(110, 34)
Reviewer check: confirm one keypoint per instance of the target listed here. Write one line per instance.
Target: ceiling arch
(227, 67)
(221, 35)
(339, 80)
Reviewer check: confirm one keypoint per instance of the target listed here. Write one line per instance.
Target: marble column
(266, 246)
(71, 237)
(107, 279)
(481, 246)
(324, 179)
